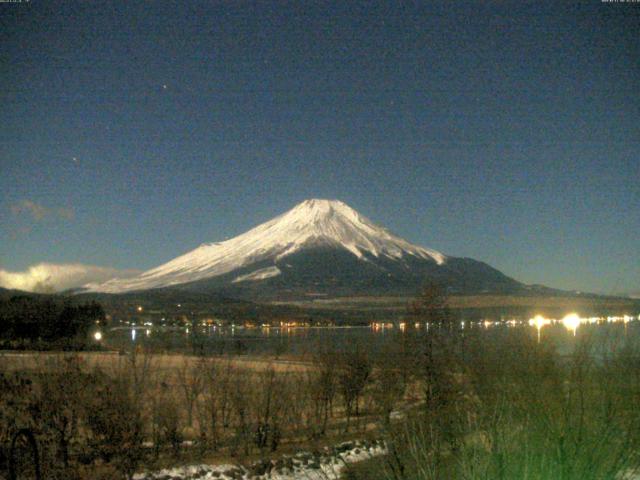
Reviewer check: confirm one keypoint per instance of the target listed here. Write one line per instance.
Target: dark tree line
(47, 319)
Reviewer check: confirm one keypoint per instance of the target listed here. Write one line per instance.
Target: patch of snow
(259, 274)
(397, 415)
(326, 465)
(311, 223)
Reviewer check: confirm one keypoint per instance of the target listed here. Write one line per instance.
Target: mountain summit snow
(312, 223)
(319, 247)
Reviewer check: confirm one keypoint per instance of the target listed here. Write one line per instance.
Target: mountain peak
(324, 207)
(312, 223)
(320, 203)
(315, 210)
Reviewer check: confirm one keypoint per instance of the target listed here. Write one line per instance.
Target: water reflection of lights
(133, 334)
(572, 322)
(539, 321)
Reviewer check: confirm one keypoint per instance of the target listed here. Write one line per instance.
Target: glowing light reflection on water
(562, 332)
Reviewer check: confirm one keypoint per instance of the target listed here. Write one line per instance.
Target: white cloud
(50, 277)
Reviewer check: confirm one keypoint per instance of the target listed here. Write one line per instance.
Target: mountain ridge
(318, 245)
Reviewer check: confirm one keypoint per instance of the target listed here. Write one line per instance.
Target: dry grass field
(25, 361)
(619, 304)
(571, 303)
(123, 412)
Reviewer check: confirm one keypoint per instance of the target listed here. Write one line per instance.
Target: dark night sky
(504, 131)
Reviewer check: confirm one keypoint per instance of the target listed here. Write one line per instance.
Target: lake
(215, 340)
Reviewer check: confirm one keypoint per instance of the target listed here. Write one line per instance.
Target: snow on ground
(325, 465)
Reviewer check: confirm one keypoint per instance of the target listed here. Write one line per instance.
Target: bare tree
(215, 407)
(115, 413)
(240, 393)
(63, 387)
(166, 423)
(191, 385)
(354, 370)
(431, 307)
(389, 383)
(323, 389)
(269, 408)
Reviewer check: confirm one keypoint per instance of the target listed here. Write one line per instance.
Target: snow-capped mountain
(319, 246)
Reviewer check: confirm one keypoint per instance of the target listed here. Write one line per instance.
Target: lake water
(213, 340)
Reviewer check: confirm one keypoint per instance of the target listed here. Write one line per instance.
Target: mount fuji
(318, 248)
